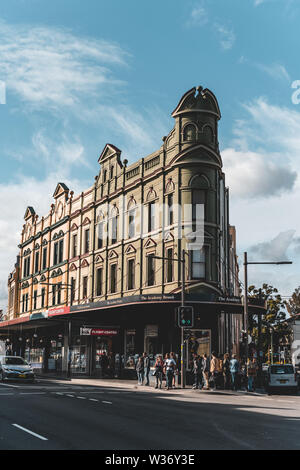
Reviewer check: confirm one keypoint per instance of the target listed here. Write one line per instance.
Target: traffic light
(185, 317)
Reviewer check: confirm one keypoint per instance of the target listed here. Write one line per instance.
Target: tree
(272, 319)
(293, 304)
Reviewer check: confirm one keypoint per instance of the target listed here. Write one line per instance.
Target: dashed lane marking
(107, 402)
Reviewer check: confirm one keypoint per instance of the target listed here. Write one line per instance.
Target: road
(89, 415)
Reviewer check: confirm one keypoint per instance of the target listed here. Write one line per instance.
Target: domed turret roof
(198, 100)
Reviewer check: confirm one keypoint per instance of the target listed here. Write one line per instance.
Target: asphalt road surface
(74, 416)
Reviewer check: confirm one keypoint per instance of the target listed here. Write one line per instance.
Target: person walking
(226, 371)
(140, 370)
(159, 367)
(170, 366)
(197, 372)
(251, 374)
(146, 367)
(205, 371)
(234, 370)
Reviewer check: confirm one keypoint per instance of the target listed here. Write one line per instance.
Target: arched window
(131, 219)
(208, 134)
(189, 133)
(114, 225)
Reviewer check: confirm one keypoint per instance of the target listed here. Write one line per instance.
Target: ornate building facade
(100, 273)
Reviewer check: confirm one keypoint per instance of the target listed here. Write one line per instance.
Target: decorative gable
(99, 259)
(61, 189)
(30, 213)
(108, 152)
(73, 267)
(169, 237)
(84, 263)
(74, 227)
(86, 221)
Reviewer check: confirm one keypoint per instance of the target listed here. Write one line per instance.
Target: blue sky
(80, 74)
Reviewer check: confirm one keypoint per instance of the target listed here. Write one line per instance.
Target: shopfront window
(55, 355)
(198, 342)
(151, 341)
(130, 351)
(79, 356)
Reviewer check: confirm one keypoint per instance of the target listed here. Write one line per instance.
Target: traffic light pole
(182, 329)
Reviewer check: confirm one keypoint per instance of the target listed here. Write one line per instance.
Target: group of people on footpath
(166, 367)
(223, 372)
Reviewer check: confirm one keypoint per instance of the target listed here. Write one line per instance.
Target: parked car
(281, 377)
(15, 368)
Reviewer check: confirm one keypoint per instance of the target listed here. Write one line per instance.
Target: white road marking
(7, 385)
(31, 432)
(81, 398)
(71, 396)
(107, 402)
(32, 393)
(93, 399)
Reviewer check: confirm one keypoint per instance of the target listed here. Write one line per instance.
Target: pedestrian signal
(185, 317)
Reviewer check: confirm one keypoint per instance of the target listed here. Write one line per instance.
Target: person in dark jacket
(159, 370)
(197, 371)
(146, 367)
(226, 372)
(104, 364)
(140, 370)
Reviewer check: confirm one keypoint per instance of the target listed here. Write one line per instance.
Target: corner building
(99, 271)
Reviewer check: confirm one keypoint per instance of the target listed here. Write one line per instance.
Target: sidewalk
(132, 384)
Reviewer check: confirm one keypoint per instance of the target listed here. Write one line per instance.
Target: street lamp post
(246, 263)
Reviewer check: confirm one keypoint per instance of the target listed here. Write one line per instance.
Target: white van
(281, 377)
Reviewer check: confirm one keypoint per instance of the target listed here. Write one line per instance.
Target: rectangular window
(44, 258)
(27, 266)
(26, 302)
(72, 289)
(99, 282)
(113, 278)
(35, 300)
(198, 197)
(61, 251)
(100, 235)
(114, 227)
(55, 254)
(87, 241)
(150, 270)
(74, 248)
(198, 263)
(85, 287)
(169, 265)
(151, 216)
(43, 297)
(131, 269)
(23, 303)
(58, 293)
(53, 294)
(170, 218)
(36, 262)
(131, 224)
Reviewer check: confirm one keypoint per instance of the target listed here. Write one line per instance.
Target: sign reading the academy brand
(97, 332)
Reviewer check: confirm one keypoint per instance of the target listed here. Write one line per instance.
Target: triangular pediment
(60, 189)
(73, 267)
(99, 259)
(74, 227)
(84, 263)
(130, 249)
(169, 237)
(150, 243)
(30, 212)
(113, 254)
(86, 221)
(108, 152)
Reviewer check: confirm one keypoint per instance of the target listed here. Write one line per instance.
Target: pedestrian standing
(173, 356)
(226, 371)
(205, 371)
(146, 367)
(251, 374)
(140, 370)
(159, 366)
(170, 366)
(197, 371)
(234, 370)
(214, 369)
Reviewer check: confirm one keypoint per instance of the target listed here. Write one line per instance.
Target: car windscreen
(13, 361)
(282, 370)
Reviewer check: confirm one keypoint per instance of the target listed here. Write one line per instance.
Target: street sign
(185, 317)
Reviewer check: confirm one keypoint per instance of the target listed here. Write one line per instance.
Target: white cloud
(255, 175)
(52, 67)
(198, 16)
(275, 249)
(226, 36)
